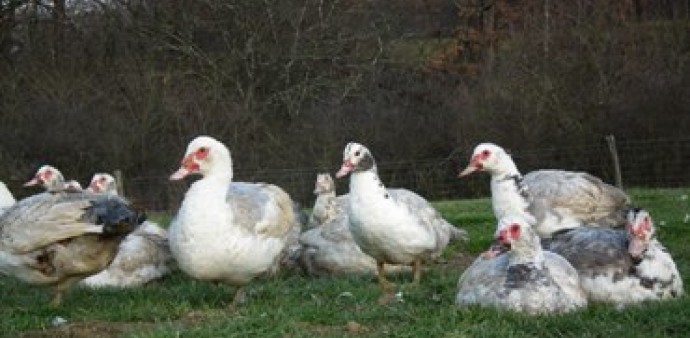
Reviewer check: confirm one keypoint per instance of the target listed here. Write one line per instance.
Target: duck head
(48, 177)
(103, 183)
(514, 234)
(205, 156)
(356, 158)
(488, 157)
(641, 230)
(324, 184)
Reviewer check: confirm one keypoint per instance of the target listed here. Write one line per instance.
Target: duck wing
(338, 229)
(427, 216)
(46, 218)
(262, 209)
(581, 195)
(592, 251)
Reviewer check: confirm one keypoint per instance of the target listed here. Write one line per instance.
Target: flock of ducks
(563, 239)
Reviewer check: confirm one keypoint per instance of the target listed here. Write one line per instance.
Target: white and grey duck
(393, 226)
(620, 267)
(328, 248)
(524, 279)
(227, 237)
(143, 256)
(327, 206)
(557, 199)
(60, 237)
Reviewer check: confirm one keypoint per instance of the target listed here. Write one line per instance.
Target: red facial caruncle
(505, 236)
(190, 164)
(642, 229)
(476, 162)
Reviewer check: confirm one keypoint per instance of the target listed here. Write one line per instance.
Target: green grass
(296, 306)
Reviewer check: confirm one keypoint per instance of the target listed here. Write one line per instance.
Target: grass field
(295, 306)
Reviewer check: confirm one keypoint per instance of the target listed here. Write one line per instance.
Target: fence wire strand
(644, 163)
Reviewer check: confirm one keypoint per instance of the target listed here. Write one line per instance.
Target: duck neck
(507, 168)
(325, 197)
(217, 181)
(57, 184)
(527, 252)
(208, 195)
(508, 192)
(365, 183)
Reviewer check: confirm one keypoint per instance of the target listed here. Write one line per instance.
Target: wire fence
(643, 163)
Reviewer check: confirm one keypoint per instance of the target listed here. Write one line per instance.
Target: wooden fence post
(611, 141)
(119, 182)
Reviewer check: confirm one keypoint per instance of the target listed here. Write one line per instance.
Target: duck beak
(33, 182)
(93, 187)
(179, 174)
(188, 167)
(494, 251)
(474, 165)
(347, 168)
(636, 247)
(470, 169)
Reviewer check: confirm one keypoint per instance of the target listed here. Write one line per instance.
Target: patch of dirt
(460, 261)
(103, 329)
(354, 327)
(351, 328)
(95, 329)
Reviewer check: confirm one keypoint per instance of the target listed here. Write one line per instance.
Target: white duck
(557, 199)
(58, 238)
(229, 238)
(394, 226)
(620, 266)
(6, 198)
(328, 248)
(143, 256)
(525, 279)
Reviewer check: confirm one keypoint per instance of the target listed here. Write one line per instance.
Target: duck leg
(417, 268)
(61, 289)
(57, 298)
(387, 287)
(240, 297)
(383, 282)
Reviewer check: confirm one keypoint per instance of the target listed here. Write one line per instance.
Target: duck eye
(203, 150)
(486, 153)
(357, 153)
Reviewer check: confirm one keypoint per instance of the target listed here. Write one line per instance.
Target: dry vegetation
(285, 83)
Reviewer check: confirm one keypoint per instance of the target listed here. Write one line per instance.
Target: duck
(620, 267)
(524, 279)
(103, 183)
(557, 199)
(73, 185)
(328, 248)
(58, 238)
(6, 198)
(142, 257)
(51, 179)
(327, 206)
(393, 226)
(228, 238)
